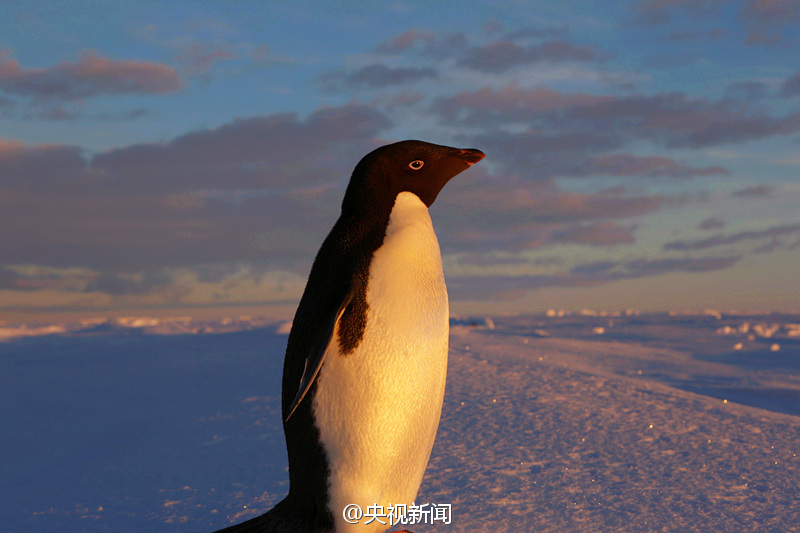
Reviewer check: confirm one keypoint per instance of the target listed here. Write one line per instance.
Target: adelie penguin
(365, 365)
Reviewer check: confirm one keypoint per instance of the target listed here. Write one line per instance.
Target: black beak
(471, 156)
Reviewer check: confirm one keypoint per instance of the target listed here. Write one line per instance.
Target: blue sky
(192, 155)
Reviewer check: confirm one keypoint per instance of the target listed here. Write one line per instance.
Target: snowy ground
(575, 423)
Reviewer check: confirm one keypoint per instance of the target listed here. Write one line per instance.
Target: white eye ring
(416, 164)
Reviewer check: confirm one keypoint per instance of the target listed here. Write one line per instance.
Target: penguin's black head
(415, 166)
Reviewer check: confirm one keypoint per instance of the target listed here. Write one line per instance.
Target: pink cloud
(517, 102)
(650, 166)
(596, 234)
(723, 240)
(198, 58)
(91, 75)
(503, 55)
(764, 19)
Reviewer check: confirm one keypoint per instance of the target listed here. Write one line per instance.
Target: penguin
(366, 359)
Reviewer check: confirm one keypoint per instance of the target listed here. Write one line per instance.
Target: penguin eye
(416, 165)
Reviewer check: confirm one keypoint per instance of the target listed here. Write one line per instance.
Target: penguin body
(377, 408)
(365, 365)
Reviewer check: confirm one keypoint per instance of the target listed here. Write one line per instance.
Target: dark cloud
(519, 47)
(510, 104)
(723, 240)
(375, 76)
(198, 58)
(597, 234)
(118, 284)
(677, 121)
(648, 166)
(381, 76)
(771, 246)
(753, 191)
(11, 280)
(672, 60)
(513, 218)
(430, 43)
(493, 259)
(765, 20)
(541, 156)
(503, 55)
(247, 191)
(267, 151)
(712, 223)
(41, 279)
(40, 168)
(749, 91)
(116, 233)
(583, 275)
(791, 87)
(661, 11)
(602, 123)
(7, 103)
(695, 36)
(91, 75)
(406, 40)
(655, 267)
(561, 32)
(405, 100)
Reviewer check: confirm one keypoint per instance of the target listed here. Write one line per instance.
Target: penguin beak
(470, 156)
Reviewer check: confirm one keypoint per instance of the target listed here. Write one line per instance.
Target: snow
(660, 423)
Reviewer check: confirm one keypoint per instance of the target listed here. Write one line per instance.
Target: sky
(189, 157)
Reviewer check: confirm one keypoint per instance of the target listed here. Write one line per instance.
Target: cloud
(764, 19)
(677, 121)
(503, 55)
(723, 240)
(198, 58)
(430, 43)
(695, 36)
(504, 217)
(523, 124)
(374, 76)
(260, 152)
(10, 279)
(649, 166)
(753, 191)
(91, 75)
(30, 279)
(541, 156)
(37, 168)
(791, 87)
(712, 223)
(597, 234)
(511, 103)
(260, 190)
(749, 91)
(660, 11)
(117, 284)
(524, 46)
(582, 275)
(377, 75)
(6, 103)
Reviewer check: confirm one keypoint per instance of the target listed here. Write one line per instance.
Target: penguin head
(415, 166)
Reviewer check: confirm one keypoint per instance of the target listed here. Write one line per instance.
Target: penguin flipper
(316, 356)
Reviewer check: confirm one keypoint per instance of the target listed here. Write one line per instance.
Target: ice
(173, 425)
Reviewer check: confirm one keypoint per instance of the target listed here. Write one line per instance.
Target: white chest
(378, 407)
